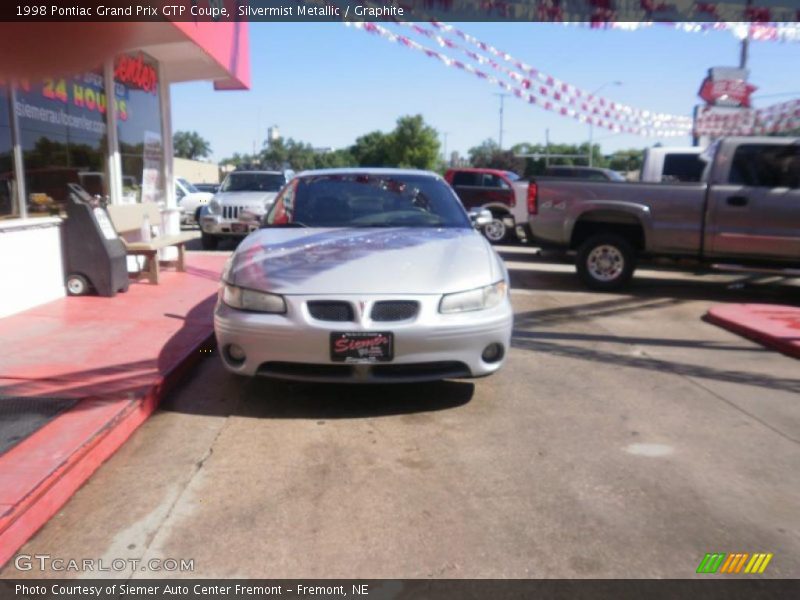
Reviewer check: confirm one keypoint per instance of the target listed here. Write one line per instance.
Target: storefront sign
(133, 71)
(726, 86)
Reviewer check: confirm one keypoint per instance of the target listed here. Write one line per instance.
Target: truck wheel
(605, 262)
(496, 231)
(77, 285)
(209, 242)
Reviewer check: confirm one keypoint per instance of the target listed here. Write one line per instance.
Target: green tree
(371, 150)
(488, 155)
(481, 155)
(411, 144)
(238, 160)
(189, 144)
(414, 144)
(626, 160)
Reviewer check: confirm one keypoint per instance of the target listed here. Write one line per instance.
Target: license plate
(362, 346)
(239, 227)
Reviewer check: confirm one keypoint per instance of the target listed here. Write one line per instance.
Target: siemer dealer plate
(362, 346)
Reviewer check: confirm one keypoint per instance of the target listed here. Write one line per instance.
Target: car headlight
(214, 207)
(478, 299)
(244, 299)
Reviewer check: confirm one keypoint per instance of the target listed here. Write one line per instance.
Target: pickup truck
(745, 213)
(490, 189)
(670, 164)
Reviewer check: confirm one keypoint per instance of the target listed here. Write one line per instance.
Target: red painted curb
(50, 495)
(725, 317)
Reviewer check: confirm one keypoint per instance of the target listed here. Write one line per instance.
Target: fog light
(492, 353)
(235, 353)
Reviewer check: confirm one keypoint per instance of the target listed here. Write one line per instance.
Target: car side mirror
(480, 217)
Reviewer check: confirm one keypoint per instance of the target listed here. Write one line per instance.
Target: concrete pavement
(624, 438)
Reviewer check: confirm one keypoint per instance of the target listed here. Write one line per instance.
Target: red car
(490, 189)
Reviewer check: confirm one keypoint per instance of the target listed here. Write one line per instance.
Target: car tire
(496, 232)
(605, 262)
(77, 285)
(209, 242)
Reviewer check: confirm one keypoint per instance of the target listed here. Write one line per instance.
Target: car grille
(330, 310)
(395, 310)
(231, 212)
(354, 373)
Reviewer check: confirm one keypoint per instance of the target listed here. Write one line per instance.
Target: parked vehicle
(190, 200)
(491, 189)
(745, 213)
(593, 173)
(207, 187)
(672, 165)
(367, 276)
(237, 208)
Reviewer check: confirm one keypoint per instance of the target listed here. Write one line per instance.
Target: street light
(591, 125)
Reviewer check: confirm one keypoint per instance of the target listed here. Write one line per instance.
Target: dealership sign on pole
(727, 86)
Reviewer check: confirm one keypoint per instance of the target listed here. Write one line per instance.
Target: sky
(326, 84)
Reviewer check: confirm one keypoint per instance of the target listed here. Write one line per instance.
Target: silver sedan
(365, 275)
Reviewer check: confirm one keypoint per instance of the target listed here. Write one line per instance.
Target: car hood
(248, 199)
(364, 261)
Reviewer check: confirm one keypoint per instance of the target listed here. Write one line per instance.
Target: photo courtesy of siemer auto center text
(400, 299)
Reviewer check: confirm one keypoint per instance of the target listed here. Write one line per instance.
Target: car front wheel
(606, 262)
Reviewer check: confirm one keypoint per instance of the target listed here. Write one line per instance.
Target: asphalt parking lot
(625, 437)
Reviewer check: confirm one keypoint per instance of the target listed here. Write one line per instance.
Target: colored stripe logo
(737, 562)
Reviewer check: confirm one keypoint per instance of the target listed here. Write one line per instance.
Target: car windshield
(253, 182)
(189, 187)
(367, 200)
(614, 176)
(511, 176)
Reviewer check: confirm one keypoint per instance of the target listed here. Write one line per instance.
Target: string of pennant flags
(537, 88)
(558, 89)
(560, 102)
(759, 32)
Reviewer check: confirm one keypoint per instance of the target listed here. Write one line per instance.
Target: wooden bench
(128, 219)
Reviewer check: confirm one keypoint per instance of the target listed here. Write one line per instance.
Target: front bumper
(218, 226)
(430, 346)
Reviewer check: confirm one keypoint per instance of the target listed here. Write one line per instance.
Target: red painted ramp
(773, 325)
(114, 359)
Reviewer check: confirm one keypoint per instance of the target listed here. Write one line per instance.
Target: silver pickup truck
(745, 212)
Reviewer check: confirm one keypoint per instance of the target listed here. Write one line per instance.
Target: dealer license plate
(362, 346)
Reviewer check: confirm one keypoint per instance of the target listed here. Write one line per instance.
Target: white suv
(242, 200)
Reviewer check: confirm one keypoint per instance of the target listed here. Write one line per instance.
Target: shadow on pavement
(530, 340)
(727, 288)
(265, 398)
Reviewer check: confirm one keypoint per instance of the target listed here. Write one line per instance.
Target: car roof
(367, 171)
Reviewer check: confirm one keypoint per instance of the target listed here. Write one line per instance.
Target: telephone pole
(502, 97)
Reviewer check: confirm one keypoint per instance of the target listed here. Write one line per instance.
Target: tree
(414, 144)
(481, 155)
(189, 144)
(626, 160)
(240, 160)
(371, 150)
(488, 155)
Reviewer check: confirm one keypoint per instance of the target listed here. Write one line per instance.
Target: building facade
(107, 128)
